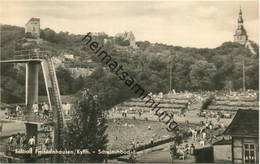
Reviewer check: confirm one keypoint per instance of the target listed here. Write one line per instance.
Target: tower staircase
(54, 100)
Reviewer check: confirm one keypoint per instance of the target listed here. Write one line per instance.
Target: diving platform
(32, 118)
(26, 56)
(34, 60)
(21, 61)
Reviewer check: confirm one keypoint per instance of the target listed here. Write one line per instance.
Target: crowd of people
(24, 142)
(195, 136)
(205, 134)
(180, 152)
(15, 112)
(40, 111)
(217, 115)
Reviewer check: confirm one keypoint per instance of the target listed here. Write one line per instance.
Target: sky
(201, 24)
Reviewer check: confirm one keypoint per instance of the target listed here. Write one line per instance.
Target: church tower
(240, 33)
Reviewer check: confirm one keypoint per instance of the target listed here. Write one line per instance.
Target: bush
(120, 41)
(28, 35)
(207, 102)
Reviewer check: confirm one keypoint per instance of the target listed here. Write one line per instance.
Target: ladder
(54, 101)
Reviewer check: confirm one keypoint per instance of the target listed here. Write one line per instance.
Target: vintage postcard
(129, 81)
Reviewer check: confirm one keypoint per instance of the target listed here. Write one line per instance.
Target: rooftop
(34, 19)
(245, 123)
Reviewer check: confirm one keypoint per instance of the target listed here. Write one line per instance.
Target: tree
(65, 80)
(49, 35)
(28, 35)
(86, 130)
(120, 41)
(181, 68)
(201, 75)
(143, 45)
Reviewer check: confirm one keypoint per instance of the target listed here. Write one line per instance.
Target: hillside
(193, 69)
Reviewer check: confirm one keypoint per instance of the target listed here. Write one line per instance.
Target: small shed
(244, 130)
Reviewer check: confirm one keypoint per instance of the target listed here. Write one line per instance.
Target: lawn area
(122, 133)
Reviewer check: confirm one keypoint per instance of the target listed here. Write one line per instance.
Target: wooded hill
(193, 69)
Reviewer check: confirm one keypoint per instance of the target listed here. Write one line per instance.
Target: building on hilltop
(68, 56)
(240, 35)
(244, 130)
(128, 36)
(33, 27)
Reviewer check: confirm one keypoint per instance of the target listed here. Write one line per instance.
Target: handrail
(33, 117)
(29, 55)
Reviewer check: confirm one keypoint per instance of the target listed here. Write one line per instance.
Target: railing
(29, 54)
(40, 117)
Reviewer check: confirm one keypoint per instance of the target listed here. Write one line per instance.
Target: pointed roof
(33, 19)
(240, 18)
(240, 11)
(240, 31)
(245, 123)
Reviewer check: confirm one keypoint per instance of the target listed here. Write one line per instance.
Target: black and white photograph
(126, 81)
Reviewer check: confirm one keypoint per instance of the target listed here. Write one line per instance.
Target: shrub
(207, 102)
(28, 35)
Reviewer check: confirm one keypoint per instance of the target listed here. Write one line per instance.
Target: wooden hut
(245, 135)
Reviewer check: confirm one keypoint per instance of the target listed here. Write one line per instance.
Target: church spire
(240, 33)
(240, 18)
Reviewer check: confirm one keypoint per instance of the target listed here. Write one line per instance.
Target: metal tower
(34, 60)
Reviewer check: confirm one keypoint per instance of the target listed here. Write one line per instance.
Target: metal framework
(34, 59)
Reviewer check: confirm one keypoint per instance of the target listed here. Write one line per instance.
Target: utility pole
(170, 76)
(244, 75)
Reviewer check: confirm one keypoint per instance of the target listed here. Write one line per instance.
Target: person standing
(173, 151)
(35, 109)
(40, 107)
(32, 143)
(47, 143)
(1, 128)
(18, 139)
(204, 135)
(10, 141)
(140, 113)
(126, 113)
(218, 117)
(46, 110)
(192, 149)
(22, 141)
(14, 143)
(17, 110)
